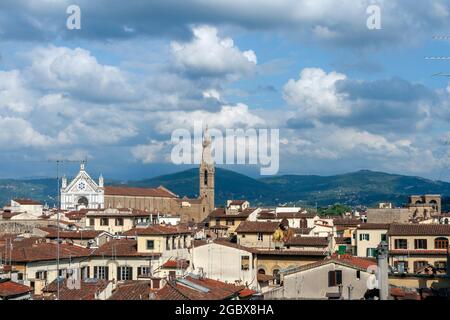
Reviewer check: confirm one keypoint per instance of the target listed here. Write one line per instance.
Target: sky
(344, 97)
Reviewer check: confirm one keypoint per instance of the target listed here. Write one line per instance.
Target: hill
(356, 188)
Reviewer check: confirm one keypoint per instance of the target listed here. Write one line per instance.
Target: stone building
(84, 193)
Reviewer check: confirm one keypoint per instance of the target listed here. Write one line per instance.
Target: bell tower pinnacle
(206, 175)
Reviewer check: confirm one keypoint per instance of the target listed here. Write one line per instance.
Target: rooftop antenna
(58, 162)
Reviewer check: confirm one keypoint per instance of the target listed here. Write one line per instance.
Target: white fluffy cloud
(18, 133)
(229, 116)
(77, 72)
(314, 94)
(209, 55)
(14, 95)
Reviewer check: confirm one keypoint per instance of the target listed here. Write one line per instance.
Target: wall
(313, 284)
(224, 263)
(373, 242)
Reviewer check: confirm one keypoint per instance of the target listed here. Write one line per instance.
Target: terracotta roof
(264, 277)
(257, 226)
(307, 241)
(237, 202)
(132, 290)
(176, 264)
(374, 226)
(44, 252)
(265, 214)
(419, 230)
(121, 248)
(221, 213)
(244, 293)
(345, 260)
(346, 222)
(213, 290)
(87, 291)
(138, 192)
(27, 202)
(157, 229)
(10, 288)
(52, 233)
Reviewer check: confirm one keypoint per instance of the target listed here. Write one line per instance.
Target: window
(334, 278)
(371, 252)
(150, 244)
(230, 222)
(418, 265)
(383, 237)
(101, 272)
(167, 243)
(245, 263)
(363, 236)
(358, 274)
(401, 266)
(184, 242)
(63, 273)
(144, 271)
(442, 265)
(173, 243)
(401, 244)
(41, 275)
(119, 222)
(104, 222)
(217, 222)
(420, 243)
(441, 243)
(260, 236)
(125, 273)
(172, 275)
(91, 221)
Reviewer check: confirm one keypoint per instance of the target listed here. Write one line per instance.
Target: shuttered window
(334, 278)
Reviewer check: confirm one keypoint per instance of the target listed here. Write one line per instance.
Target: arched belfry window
(205, 182)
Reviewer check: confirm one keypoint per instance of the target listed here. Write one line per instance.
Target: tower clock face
(81, 186)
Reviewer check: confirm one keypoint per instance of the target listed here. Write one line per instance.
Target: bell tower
(206, 175)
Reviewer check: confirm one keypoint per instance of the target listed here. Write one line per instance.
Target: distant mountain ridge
(357, 188)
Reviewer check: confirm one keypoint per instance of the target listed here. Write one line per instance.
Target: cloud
(229, 116)
(209, 55)
(18, 133)
(77, 72)
(314, 94)
(14, 95)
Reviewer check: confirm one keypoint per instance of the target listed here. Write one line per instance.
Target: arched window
(446, 221)
(83, 201)
(441, 243)
(205, 182)
(303, 223)
(261, 271)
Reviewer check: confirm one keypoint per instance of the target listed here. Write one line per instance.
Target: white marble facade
(82, 192)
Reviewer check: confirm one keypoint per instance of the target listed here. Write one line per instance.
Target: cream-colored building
(117, 221)
(367, 238)
(415, 246)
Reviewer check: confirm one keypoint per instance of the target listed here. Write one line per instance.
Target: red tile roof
(10, 288)
(307, 241)
(214, 290)
(157, 229)
(257, 226)
(87, 290)
(52, 233)
(374, 226)
(121, 248)
(419, 229)
(264, 277)
(27, 202)
(418, 252)
(346, 222)
(118, 212)
(138, 192)
(176, 264)
(44, 252)
(132, 290)
(221, 213)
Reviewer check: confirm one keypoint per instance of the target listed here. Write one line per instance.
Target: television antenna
(58, 162)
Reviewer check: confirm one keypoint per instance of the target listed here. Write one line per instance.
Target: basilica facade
(85, 193)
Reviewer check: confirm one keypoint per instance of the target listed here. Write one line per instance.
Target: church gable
(82, 183)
